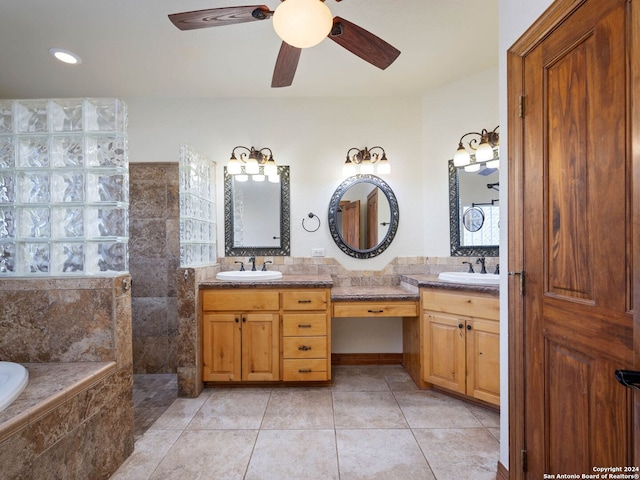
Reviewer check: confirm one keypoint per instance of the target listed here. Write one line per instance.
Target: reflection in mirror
(363, 216)
(474, 211)
(256, 216)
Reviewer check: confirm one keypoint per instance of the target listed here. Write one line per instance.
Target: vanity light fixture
(484, 152)
(250, 163)
(370, 162)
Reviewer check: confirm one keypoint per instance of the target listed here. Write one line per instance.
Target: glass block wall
(64, 187)
(197, 209)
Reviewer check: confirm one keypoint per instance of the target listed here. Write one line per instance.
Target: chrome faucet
(481, 261)
(253, 263)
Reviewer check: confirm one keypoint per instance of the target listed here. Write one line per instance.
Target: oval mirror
(363, 216)
(473, 219)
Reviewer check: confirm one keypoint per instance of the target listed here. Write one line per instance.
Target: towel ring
(311, 215)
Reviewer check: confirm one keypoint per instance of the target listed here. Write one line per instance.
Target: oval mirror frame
(334, 205)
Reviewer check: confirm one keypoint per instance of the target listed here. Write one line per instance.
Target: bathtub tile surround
(75, 418)
(326, 437)
(154, 246)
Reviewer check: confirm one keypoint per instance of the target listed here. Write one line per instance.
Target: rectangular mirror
(256, 216)
(474, 211)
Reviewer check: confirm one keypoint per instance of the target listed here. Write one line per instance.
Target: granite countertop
(433, 282)
(346, 294)
(287, 281)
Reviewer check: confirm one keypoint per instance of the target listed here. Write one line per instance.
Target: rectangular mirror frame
(454, 223)
(285, 223)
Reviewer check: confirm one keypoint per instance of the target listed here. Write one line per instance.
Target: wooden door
(571, 320)
(372, 218)
(260, 346)
(351, 223)
(445, 351)
(221, 347)
(483, 360)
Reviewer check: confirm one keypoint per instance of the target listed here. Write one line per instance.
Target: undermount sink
(249, 275)
(474, 278)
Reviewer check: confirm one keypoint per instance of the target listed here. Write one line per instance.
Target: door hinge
(523, 460)
(521, 106)
(521, 274)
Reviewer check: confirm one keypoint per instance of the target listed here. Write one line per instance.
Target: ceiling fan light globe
(302, 23)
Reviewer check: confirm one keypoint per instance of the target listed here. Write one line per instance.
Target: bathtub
(13, 380)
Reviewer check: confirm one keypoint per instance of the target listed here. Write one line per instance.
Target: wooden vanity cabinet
(306, 339)
(462, 343)
(266, 334)
(241, 335)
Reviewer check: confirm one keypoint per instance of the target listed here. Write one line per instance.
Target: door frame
(555, 14)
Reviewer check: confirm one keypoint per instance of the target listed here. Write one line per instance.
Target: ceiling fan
(350, 36)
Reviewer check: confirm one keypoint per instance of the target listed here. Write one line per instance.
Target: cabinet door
(221, 347)
(445, 351)
(260, 346)
(483, 360)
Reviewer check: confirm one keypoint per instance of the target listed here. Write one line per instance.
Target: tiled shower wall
(154, 249)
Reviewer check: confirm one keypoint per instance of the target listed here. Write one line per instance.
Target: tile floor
(372, 423)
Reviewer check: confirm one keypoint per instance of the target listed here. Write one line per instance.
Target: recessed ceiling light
(65, 56)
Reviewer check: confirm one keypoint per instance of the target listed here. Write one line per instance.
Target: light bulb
(366, 167)
(274, 178)
(270, 168)
(384, 167)
(462, 157)
(252, 166)
(493, 163)
(349, 169)
(241, 178)
(258, 178)
(484, 152)
(234, 167)
(302, 23)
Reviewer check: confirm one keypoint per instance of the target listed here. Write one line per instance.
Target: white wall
(312, 136)
(515, 16)
(468, 105)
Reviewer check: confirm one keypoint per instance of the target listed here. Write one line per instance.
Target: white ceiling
(130, 49)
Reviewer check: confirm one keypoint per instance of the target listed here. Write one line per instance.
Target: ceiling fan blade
(363, 43)
(217, 17)
(286, 65)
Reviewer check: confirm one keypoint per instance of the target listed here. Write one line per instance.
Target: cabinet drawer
(377, 309)
(304, 299)
(304, 347)
(245, 299)
(309, 370)
(306, 324)
(469, 304)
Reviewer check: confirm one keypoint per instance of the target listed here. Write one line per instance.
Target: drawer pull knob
(304, 348)
(305, 370)
(304, 301)
(375, 311)
(304, 325)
